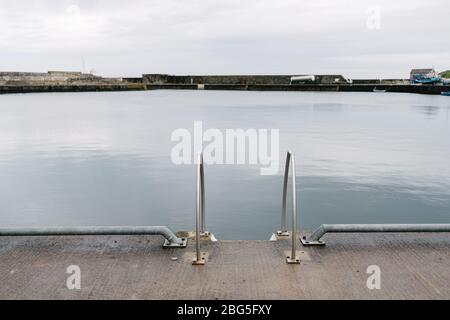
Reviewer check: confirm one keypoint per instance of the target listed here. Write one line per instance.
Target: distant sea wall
(419, 89)
(234, 79)
(336, 83)
(63, 81)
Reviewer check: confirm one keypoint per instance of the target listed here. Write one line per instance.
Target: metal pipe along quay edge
(75, 231)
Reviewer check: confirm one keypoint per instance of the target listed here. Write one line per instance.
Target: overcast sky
(128, 38)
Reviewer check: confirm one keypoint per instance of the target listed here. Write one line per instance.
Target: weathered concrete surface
(235, 79)
(60, 81)
(54, 78)
(71, 88)
(412, 266)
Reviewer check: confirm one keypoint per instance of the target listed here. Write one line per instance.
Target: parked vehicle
(428, 80)
(302, 79)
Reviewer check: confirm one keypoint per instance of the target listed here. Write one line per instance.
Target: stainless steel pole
(202, 182)
(294, 211)
(283, 231)
(198, 258)
(293, 259)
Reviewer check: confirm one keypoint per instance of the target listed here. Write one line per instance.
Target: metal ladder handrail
(203, 231)
(200, 211)
(283, 231)
(290, 162)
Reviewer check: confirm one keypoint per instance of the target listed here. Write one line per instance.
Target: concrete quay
(413, 266)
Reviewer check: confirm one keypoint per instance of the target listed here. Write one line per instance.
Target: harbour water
(104, 159)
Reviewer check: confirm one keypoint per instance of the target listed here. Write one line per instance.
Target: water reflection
(428, 111)
(327, 107)
(104, 159)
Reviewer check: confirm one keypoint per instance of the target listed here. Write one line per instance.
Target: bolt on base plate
(205, 234)
(200, 262)
(305, 242)
(281, 233)
(208, 236)
(168, 244)
(292, 261)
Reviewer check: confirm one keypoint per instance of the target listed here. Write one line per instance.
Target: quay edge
(413, 266)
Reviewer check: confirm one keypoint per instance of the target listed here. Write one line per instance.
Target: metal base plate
(200, 262)
(305, 242)
(289, 260)
(168, 244)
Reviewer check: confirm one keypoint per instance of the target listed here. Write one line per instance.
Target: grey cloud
(225, 36)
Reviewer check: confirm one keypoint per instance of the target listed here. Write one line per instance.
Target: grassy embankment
(445, 74)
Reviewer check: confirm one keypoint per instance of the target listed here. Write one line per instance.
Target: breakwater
(62, 81)
(419, 89)
(241, 80)
(336, 83)
(58, 81)
(69, 88)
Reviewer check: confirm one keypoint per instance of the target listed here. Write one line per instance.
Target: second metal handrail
(283, 231)
(200, 211)
(201, 177)
(290, 161)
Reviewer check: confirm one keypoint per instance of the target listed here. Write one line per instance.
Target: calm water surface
(104, 159)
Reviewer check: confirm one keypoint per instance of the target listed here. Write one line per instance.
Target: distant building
(417, 74)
